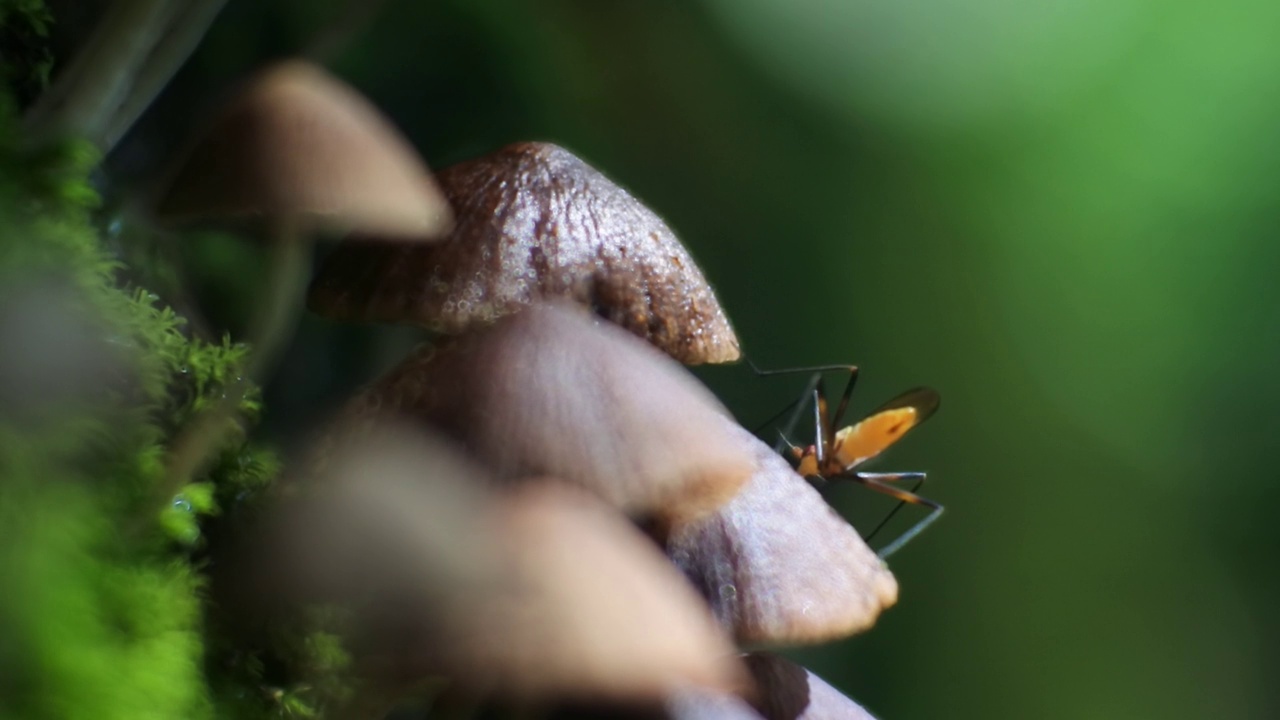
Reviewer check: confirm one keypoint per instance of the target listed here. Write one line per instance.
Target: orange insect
(836, 454)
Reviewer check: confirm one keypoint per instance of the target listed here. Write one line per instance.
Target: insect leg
(879, 484)
(919, 477)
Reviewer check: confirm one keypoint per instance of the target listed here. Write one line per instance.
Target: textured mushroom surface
(555, 391)
(534, 221)
(297, 141)
(779, 565)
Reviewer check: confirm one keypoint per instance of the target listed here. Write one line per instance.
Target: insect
(836, 454)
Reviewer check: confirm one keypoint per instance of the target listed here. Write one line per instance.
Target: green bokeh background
(1061, 215)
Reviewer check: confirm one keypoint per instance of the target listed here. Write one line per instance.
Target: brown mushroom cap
(777, 564)
(295, 141)
(389, 512)
(540, 592)
(534, 221)
(553, 391)
(593, 610)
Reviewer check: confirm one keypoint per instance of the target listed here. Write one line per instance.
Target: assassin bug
(836, 454)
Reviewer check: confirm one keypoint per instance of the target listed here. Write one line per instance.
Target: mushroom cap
(553, 391)
(298, 142)
(389, 513)
(534, 221)
(592, 610)
(539, 592)
(778, 565)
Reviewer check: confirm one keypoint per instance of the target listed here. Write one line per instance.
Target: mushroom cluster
(543, 506)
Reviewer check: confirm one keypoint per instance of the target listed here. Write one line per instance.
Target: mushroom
(593, 610)
(303, 151)
(553, 391)
(536, 593)
(392, 512)
(778, 565)
(534, 221)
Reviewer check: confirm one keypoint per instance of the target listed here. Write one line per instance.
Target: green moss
(102, 614)
(89, 632)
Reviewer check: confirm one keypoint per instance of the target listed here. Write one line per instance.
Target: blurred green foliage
(103, 612)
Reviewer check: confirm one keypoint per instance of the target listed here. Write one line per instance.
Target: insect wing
(858, 443)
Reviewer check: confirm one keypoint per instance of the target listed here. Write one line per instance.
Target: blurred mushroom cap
(778, 565)
(594, 610)
(539, 592)
(534, 221)
(552, 391)
(388, 516)
(297, 142)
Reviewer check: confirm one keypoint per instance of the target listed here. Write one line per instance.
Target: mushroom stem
(286, 284)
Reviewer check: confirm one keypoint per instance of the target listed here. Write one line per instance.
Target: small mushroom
(534, 221)
(777, 564)
(537, 593)
(553, 391)
(593, 610)
(298, 142)
(392, 512)
(302, 151)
